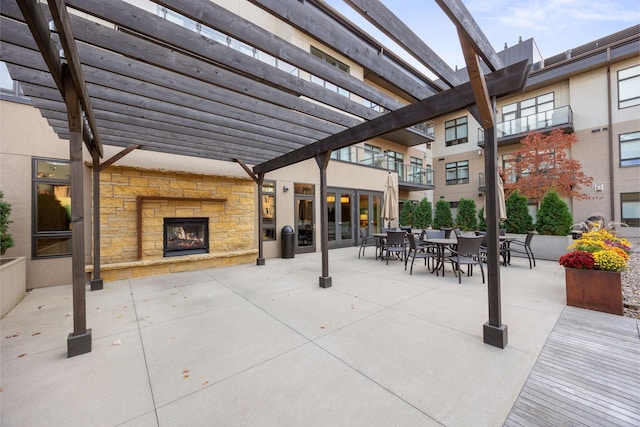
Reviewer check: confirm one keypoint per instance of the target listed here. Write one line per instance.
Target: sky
(555, 25)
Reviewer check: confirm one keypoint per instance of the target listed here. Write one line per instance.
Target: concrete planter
(594, 290)
(13, 282)
(549, 248)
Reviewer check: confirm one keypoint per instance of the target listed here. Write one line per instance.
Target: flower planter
(594, 290)
(13, 283)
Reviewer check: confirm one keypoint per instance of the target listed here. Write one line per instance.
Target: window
(629, 87)
(530, 114)
(416, 172)
(457, 172)
(372, 155)
(329, 59)
(629, 149)
(455, 131)
(630, 208)
(342, 154)
(395, 162)
(269, 210)
(8, 87)
(51, 208)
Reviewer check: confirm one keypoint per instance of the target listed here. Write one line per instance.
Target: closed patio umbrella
(390, 205)
(502, 205)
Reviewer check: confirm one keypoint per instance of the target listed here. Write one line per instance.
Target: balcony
(410, 177)
(512, 131)
(421, 133)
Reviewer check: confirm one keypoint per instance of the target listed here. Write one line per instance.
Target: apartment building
(592, 90)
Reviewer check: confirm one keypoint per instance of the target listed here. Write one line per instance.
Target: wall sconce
(480, 152)
(285, 188)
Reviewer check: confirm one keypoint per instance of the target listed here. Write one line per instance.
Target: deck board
(588, 373)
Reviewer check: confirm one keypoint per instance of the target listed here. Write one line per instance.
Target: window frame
(630, 198)
(634, 140)
(36, 235)
(457, 125)
(457, 167)
(633, 100)
(268, 191)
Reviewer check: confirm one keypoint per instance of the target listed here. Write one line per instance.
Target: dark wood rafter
(111, 160)
(302, 16)
(215, 16)
(507, 80)
(384, 20)
(478, 84)
(464, 22)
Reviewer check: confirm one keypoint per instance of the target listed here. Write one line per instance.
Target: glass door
(341, 212)
(305, 218)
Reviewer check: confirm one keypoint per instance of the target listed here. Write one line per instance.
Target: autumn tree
(543, 164)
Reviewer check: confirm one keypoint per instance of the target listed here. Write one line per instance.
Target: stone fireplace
(185, 236)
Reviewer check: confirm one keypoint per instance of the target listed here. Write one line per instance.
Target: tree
(6, 241)
(422, 216)
(542, 164)
(518, 218)
(482, 222)
(406, 213)
(554, 217)
(466, 216)
(443, 215)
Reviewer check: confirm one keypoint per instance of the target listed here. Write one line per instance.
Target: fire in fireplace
(186, 236)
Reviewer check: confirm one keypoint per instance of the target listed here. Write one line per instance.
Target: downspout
(610, 140)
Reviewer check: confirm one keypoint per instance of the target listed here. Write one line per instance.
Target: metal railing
(406, 173)
(553, 118)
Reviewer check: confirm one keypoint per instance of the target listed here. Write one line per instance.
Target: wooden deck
(587, 374)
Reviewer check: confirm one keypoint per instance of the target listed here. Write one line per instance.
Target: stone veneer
(231, 223)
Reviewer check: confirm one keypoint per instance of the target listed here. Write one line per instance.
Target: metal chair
(366, 240)
(416, 251)
(395, 245)
(517, 246)
(467, 252)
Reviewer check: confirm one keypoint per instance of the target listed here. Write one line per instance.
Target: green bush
(406, 213)
(466, 216)
(518, 218)
(443, 215)
(482, 222)
(554, 218)
(6, 241)
(422, 215)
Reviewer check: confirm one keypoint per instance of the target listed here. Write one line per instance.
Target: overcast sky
(555, 25)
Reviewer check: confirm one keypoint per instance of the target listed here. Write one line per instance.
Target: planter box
(13, 282)
(594, 290)
(549, 248)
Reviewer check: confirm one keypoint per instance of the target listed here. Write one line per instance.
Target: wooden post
(79, 341)
(97, 282)
(323, 161)
(260, 259)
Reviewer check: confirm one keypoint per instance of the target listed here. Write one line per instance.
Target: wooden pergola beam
(464, 22)
(478, 83)
(502, 82)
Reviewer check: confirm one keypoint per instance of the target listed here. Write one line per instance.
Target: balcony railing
(481, 182)
(426, 128)
(557, 117)
(406, 173)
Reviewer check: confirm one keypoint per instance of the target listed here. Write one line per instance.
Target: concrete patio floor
(266, 346)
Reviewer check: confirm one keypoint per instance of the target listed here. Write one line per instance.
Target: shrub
(554, 217)
(406, 213)
(422, 215)
(482, 222)
(6, 241)
(518, 218)
(443, 215)
(466, 216)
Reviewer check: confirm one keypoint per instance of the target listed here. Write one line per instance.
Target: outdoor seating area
(264, 345)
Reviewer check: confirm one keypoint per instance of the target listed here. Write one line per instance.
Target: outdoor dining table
(504, 249)
(441, 245)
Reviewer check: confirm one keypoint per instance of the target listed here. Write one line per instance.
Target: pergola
(142, 82)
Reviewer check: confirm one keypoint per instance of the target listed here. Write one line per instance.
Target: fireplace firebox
(186, 236)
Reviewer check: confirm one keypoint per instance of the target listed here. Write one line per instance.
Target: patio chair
(395, 245)
(467, 252)
(416, 251)
(520, 247)
(366, 240)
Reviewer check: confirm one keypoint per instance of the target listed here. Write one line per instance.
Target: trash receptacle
(288, 237)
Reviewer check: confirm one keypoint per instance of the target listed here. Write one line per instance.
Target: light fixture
(331, 199)
(285, 188)
(480, 152)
